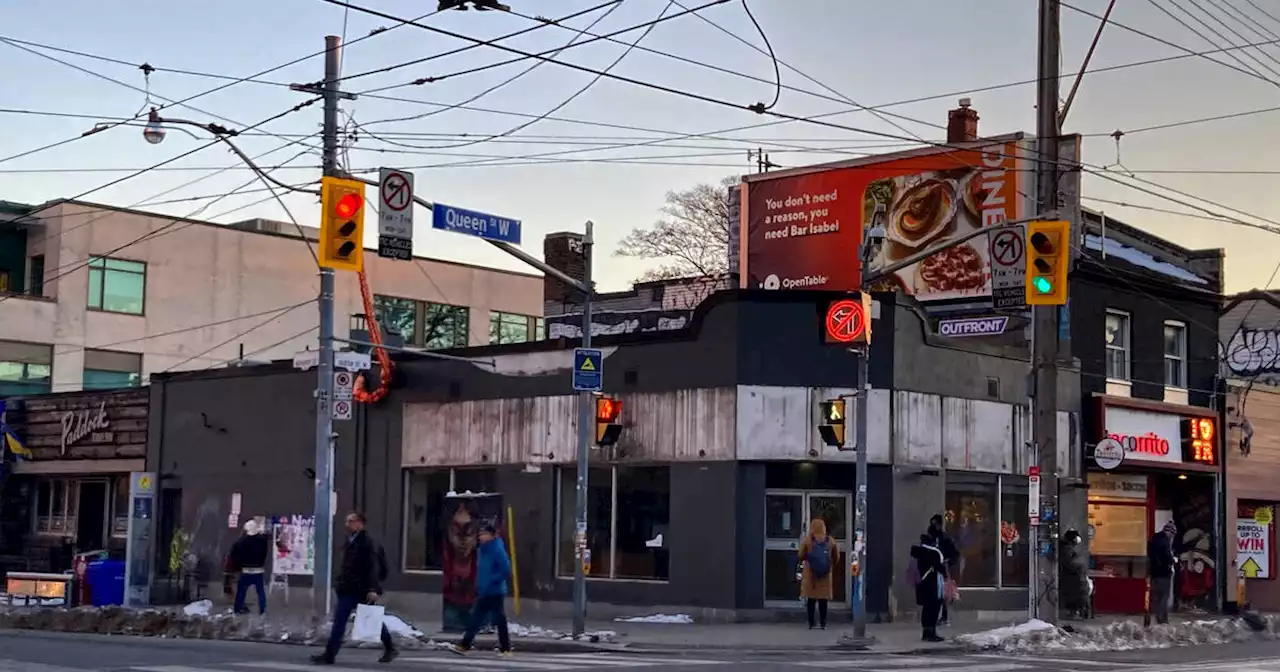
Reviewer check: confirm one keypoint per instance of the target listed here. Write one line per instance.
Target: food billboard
(802, 228)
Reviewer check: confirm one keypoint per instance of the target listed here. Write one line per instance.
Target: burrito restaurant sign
(1145, 435)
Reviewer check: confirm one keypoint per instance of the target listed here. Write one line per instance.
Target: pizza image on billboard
(803, 227)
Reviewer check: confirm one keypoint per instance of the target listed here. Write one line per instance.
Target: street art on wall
(1253, 352)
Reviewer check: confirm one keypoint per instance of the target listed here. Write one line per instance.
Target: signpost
(588, 370)
(478, 224)
(395, 214)
(351, 361)
(343, 385)
(1008, 269)
(1033, 495)
(341, 409)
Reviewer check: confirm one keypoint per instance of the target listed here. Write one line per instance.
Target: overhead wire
(1234, 56)
(777, 72)
(238, 336)
(1248, 22)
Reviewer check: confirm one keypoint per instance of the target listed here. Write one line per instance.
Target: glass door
(787, 516)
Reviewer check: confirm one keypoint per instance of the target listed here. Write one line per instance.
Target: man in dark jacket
(249, 557)
(359, 580)
(1161, 565)
(493, 568)
(942, 541)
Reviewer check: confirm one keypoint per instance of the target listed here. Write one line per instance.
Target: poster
(294, 541)
(462, 516)
(1254, 542)
(804, 227)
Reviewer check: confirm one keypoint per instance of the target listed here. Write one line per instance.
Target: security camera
(875, 234)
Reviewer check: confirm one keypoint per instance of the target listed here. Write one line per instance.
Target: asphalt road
(57, 652)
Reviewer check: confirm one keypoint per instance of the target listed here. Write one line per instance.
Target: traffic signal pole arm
(870, 278)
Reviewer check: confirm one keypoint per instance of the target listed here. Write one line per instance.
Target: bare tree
(692, 237)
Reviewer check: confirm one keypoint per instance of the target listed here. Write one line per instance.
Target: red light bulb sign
(848, 321)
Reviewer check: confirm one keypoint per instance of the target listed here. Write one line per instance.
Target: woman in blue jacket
(493, 568)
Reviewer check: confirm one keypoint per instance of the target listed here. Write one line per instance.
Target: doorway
(91, 516)
(787, 516)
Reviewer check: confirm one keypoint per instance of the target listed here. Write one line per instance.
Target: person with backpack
(493, 570)
(819, 554)
(360, 579)
(931, 576)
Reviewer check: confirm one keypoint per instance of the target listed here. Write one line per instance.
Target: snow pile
(680, 619)
(198, 608)
(397, 626)
(539, 632)
(1040, 637)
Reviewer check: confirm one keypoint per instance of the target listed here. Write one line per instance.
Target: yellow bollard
(515, 575)
(1146, 608)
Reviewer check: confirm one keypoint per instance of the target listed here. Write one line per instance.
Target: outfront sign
(973, 326)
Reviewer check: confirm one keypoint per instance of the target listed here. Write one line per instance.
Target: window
(986, 517)
(120, 506)
(425, 491)
(106, 370)
(424, 324)
(35, 276)
(1117, 345)
(116, 285)
(628, 510)
(539, 329)
(1175, 354)
(25, 368)
(512, 328)
(4, 282)
(57, 501)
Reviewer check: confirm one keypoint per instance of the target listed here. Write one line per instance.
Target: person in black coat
(1073, 568)
(359, 581)
(249, 556)
(932, 566)
(1161, 564)
(939, 538)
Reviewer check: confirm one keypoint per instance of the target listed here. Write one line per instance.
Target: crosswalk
(971, 663)
(478, 661)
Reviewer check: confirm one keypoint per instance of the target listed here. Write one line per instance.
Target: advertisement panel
(803, 230)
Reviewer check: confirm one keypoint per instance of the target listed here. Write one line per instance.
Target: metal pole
(860, 497)
(1044, 426)
(584, 453)
(324, 512)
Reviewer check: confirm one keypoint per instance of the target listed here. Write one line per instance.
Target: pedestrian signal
(342, 224)
(607, 427)
(831, 424)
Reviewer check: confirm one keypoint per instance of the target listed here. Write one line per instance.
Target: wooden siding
(39, 423)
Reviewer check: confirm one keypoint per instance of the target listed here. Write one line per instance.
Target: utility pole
(585, 430)
(1044, 339)
(324, 506)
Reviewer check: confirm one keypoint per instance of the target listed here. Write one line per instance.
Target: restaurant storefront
(74, 489)
(1153, 463)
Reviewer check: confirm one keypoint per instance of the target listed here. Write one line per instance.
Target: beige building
(94, 296)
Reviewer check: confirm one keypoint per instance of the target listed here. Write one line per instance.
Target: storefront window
(425, 491)
(1118, 525)
(57, 502)
(628, 510)
(120, 507)
(1014, 532)
(986, 517)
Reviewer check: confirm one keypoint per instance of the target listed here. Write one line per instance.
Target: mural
(462, 517)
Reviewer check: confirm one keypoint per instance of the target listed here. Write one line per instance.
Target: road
(57, 652)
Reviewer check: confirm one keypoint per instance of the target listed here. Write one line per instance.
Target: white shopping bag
(368, 627)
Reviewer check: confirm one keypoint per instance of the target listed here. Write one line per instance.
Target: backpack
(380, 563)
(818, 559)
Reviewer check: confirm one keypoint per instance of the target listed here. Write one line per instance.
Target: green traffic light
(1042, 285)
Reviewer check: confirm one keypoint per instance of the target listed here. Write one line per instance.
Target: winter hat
(1170, 527)
(251, 528)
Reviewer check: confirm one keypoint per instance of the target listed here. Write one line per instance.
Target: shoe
(459, 649)
(322, 659)
(506, 654)
(823, 626)
(811, 627)
(388, 655)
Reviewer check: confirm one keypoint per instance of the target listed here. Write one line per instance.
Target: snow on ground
(539, 632)
(1037, 636)
(398, 626)
(682, 619)
(990, 639)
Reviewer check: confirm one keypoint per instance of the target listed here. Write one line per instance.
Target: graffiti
(611, 324)
(1253, 351)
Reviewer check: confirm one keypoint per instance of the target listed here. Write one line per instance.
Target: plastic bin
(106, 582)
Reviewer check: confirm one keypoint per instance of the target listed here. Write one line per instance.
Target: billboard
(802, 228)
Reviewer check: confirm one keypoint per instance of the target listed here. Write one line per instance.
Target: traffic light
(341, 224)
(607, 427)
(832, 423)
(1047, 262)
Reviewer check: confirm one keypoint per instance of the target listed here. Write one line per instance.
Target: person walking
(249, 557)
(1161, 565)
(938, 538)
(363, 569)
(493, 569)
(931, 567)
(819, 554)
(1073, 572)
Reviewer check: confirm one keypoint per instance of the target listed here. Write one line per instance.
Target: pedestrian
(364, 568)
(931, 566)
(1073, 568)
(938, 538)
(493, 570)
(1161, 564)
(249, 557)
(819, 554)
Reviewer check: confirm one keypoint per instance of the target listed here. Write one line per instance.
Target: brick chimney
(563, 252)
(962, 123)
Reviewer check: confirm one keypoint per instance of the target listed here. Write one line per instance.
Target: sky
(873, 53)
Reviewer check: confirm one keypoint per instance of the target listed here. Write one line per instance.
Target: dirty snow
(1128, 635)
(539, 632)
(398, 626)
(994, 638)
(198, 608)
(682, 619)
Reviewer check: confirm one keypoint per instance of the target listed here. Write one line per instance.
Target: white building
(94, 296)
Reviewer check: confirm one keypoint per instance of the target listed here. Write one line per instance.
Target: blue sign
(472, 223)
(588, 370)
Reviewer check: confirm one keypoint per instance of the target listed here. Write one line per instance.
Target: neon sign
(1200, 435)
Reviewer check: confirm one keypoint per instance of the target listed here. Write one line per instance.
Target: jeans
(1161, 598)
(821, 606)
(490, 607)
(342, 610)
(258, 581)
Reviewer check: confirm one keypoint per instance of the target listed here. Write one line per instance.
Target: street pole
(1044, 344)
(585, 427)
(324, 510)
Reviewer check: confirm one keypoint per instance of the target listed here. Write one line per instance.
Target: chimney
(563, 252)
(962, 123)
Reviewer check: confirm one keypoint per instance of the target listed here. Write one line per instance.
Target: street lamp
(153, 132)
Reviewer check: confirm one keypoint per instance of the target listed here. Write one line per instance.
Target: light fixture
(1182, 477)
(154, 130)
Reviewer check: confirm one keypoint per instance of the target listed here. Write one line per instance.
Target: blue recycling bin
(106, 582)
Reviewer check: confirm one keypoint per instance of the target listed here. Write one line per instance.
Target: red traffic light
(607, 410)
(348, 205)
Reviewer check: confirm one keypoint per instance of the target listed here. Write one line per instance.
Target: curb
(664, 649)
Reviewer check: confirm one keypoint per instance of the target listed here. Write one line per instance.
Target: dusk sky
(872, 53)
